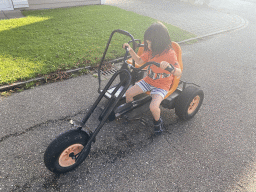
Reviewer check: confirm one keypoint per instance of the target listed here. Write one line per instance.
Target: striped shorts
(147, 87)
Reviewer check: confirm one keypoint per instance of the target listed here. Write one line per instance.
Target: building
(44, 4)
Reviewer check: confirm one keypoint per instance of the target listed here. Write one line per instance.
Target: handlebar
(124, 33)
(106, 49)
(170, 69)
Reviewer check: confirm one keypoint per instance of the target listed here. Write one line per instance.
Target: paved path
(204, 154)
(200, 20)
(37, 103)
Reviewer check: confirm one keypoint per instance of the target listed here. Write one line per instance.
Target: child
(157, 47)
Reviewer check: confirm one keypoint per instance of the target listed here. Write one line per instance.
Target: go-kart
(71, 148)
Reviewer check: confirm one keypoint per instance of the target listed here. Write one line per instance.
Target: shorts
(153, 90)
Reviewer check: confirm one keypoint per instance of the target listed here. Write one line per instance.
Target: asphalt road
(215, 151)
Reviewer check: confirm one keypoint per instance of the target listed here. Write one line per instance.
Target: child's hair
(160, 39)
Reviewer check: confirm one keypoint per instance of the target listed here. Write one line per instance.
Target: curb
(23, 83)
(243, 24)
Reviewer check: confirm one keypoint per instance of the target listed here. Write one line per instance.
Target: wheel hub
(68, 156)
(194, 104)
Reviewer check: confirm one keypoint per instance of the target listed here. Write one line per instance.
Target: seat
(176, 80)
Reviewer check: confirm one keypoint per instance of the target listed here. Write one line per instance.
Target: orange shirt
(159, 80)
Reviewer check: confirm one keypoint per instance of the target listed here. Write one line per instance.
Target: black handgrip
(124, 33)
(170, 68)
(136, 44)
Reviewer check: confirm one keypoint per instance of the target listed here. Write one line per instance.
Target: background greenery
(47, 41)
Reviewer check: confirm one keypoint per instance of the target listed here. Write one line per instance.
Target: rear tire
(189, 102)
(60, 156)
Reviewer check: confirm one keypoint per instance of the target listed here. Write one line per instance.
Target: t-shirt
(156, 76)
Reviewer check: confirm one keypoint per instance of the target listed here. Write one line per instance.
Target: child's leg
(132, 92)
(155, 106)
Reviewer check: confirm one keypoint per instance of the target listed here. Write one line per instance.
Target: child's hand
(134, 55)
(127, 45)
(164, 65)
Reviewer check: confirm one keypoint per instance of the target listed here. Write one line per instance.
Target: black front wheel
(62, 154)
(189, 102)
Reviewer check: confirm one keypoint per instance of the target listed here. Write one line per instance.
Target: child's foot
(158, 126)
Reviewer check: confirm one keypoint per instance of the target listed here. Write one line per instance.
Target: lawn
(47, 41)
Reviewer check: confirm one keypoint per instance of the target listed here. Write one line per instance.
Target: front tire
(62, 153)
(189, 102)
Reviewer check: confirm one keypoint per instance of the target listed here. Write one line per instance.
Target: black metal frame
(109, 107)
(106, 49)
(113, 98)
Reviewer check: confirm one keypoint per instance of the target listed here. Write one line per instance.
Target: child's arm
(136, 58)
(177, 71)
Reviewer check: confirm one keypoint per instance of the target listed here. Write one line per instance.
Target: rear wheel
(189, 102)
(62, 154)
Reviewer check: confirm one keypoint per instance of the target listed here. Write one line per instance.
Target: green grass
(46, 41)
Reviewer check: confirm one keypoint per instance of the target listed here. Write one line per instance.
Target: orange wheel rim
(194, 104)
(65, 160)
